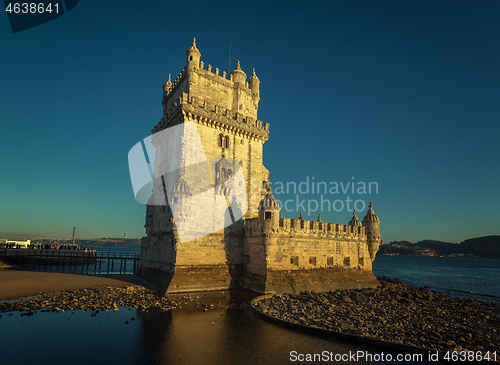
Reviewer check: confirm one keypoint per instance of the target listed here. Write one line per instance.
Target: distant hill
(488, 247)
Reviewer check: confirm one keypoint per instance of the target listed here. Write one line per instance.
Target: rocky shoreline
(101, 299)
(396, 313)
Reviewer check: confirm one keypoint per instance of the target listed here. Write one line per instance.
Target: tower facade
(224, 107)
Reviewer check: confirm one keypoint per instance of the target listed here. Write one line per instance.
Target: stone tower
(223, 108)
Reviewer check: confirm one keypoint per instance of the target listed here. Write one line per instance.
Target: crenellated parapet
(213, 115)
(305, 228)
(251, 86)
(320, 229)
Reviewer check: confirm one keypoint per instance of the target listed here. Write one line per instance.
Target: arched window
(190, 58)
(226, 142)
(220, 140)
(223, 174)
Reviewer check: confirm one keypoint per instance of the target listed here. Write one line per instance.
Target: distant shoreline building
(18, 244)
(263, 251)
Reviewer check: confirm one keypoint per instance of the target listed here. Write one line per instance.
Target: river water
(187, 335)
(461, 277)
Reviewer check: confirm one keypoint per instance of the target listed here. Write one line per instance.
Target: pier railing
(72, 261)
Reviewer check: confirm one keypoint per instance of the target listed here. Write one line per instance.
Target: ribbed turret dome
(370, 215)
(181, 187)
(354, 221)
(269, 203)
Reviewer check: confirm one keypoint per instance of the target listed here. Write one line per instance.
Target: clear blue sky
(405, 94)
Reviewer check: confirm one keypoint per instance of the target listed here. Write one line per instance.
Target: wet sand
(14, 283)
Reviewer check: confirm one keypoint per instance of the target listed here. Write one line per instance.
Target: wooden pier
(71, 261)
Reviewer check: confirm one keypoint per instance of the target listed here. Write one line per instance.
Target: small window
(190, 58)
(312, 261)
(220, 139)
(264, 185)
(329, 261)
(223, 173)
(267, 215)
(175, 200)
(294, 260)
(226, 142)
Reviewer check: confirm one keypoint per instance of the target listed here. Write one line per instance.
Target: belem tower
(262, 251)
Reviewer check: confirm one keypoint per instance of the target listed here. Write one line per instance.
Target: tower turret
(238, 75)
(193, 57)
(372, 226)
(253, 84)
(168, 85)
(269, 212)
(166, 90)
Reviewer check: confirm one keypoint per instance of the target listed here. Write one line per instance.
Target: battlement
(196, 108)
(300, 227)
(208, 73)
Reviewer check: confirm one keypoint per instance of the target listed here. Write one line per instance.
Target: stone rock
(346, 326)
